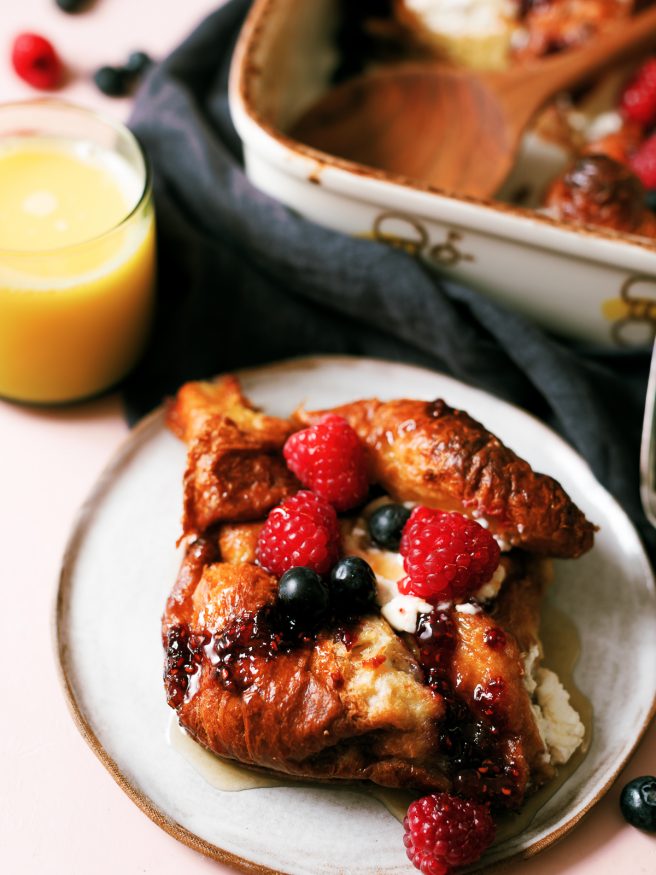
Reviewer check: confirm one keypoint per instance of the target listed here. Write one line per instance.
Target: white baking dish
(591, 284)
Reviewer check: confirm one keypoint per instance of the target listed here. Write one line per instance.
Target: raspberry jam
(495, 638)
(183, 658)
(235, 653)
(471, 733)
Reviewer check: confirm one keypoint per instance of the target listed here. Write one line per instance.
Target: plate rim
(81, 521)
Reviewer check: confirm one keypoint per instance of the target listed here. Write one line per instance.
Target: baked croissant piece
(235, 469)
(598, 190)
(447, 703)
(430, 453)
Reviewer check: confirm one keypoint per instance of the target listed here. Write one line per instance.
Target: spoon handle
(526, 88)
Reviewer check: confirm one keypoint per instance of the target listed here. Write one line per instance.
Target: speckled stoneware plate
(121, 562)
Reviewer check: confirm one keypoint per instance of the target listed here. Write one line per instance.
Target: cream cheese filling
(464, 17)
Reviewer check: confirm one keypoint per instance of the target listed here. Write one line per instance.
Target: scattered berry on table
(386, 525)
(112, 81)
(445, 555)
(353, 585)
(138, 63)
(71, 5)
(35, 60)
(303, 596)
(643, 162)
(303, 530)
(330, 459)
(638, 802)
(638, 100)
(443, 831)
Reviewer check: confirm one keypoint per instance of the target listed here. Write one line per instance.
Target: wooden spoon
(454, 128)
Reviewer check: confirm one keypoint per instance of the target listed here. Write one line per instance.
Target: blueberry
(71, 5)
(638, 803)
(353, 585)
(386, 525)
(138, 63)
(112, 81)
(650, 200)
(303, 597)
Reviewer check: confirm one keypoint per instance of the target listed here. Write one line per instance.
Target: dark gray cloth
(242, 281)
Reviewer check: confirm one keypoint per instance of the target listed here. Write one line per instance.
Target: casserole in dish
(592, 284)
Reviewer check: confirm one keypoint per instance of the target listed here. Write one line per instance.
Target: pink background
(60, 811)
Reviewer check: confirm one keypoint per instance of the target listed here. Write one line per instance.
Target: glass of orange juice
(77, 251)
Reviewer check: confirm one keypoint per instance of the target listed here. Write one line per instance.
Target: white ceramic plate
(121, 563)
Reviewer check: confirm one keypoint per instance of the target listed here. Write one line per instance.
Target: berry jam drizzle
(183, 658)
(479, 768)
(234, 652)
(495, 638)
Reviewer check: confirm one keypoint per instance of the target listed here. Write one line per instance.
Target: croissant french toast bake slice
(333, 706)
(401, 681)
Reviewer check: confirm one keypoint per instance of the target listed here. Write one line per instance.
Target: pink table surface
(60, 811)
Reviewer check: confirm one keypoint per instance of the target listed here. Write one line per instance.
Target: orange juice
(76, 267)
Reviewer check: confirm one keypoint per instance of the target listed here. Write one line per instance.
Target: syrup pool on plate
(77, 252)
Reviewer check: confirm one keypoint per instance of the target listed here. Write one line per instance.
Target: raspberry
(442, 831)
(638, 100)
(643, 162)
(330, 459)
(303, 530)
(36, 61)
(445, 555)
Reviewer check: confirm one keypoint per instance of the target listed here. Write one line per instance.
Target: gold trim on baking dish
(632, 310)
(405, 232)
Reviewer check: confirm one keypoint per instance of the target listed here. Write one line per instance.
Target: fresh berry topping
(386, 525)
(36, 61)
(638, 803)
(138, 63)
(303, 597)
(445, 555)
(329, 458)
(303, 530)
(353, 586)
(638, 100)
(112, 81)
(442, 831)
(643, 162)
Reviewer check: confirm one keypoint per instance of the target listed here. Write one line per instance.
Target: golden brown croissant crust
(444, 708)
(431, 453)
(352, 702)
